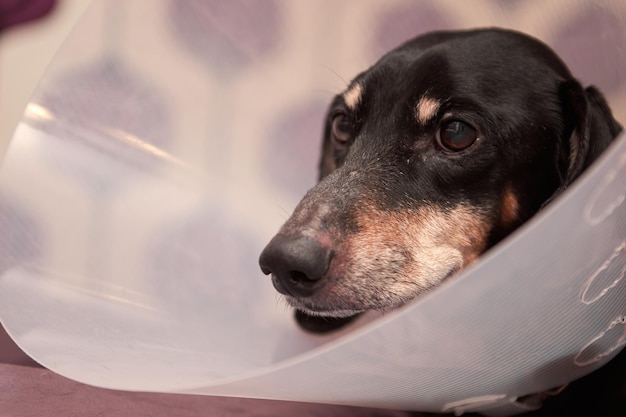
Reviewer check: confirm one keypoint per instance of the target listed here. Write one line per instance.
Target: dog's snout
(297, 264)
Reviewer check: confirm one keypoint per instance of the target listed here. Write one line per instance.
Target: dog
(429, 158)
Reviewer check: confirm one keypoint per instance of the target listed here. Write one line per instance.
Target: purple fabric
(10, 353)
(13, 12)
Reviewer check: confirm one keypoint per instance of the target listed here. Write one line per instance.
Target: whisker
(327, 93)
(332, 71)
(285, 212)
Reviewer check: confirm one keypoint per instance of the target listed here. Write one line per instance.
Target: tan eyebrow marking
(426, 109)
(352, 97)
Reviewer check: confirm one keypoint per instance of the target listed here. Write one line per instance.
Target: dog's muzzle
(298, 265)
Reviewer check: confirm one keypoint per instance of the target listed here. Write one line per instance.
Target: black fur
(537, 129)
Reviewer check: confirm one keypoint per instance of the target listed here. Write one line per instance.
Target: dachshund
(430, 157)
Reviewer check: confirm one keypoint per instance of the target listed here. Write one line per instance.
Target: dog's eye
(341, 129)
(455, 136)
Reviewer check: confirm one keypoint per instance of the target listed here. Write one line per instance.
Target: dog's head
(431, 156)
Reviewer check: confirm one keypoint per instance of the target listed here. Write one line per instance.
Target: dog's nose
(297, 264)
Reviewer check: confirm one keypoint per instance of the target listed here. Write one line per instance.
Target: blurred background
(31, 32)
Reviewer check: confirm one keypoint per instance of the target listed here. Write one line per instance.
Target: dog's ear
(590, 128)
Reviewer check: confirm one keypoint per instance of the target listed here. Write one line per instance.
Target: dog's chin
(317, 319)
(317, 323)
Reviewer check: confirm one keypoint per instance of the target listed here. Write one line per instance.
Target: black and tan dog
(430, 157)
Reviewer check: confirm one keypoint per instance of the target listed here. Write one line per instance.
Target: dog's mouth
(315, 310)
(316, 323)
(320, 319)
